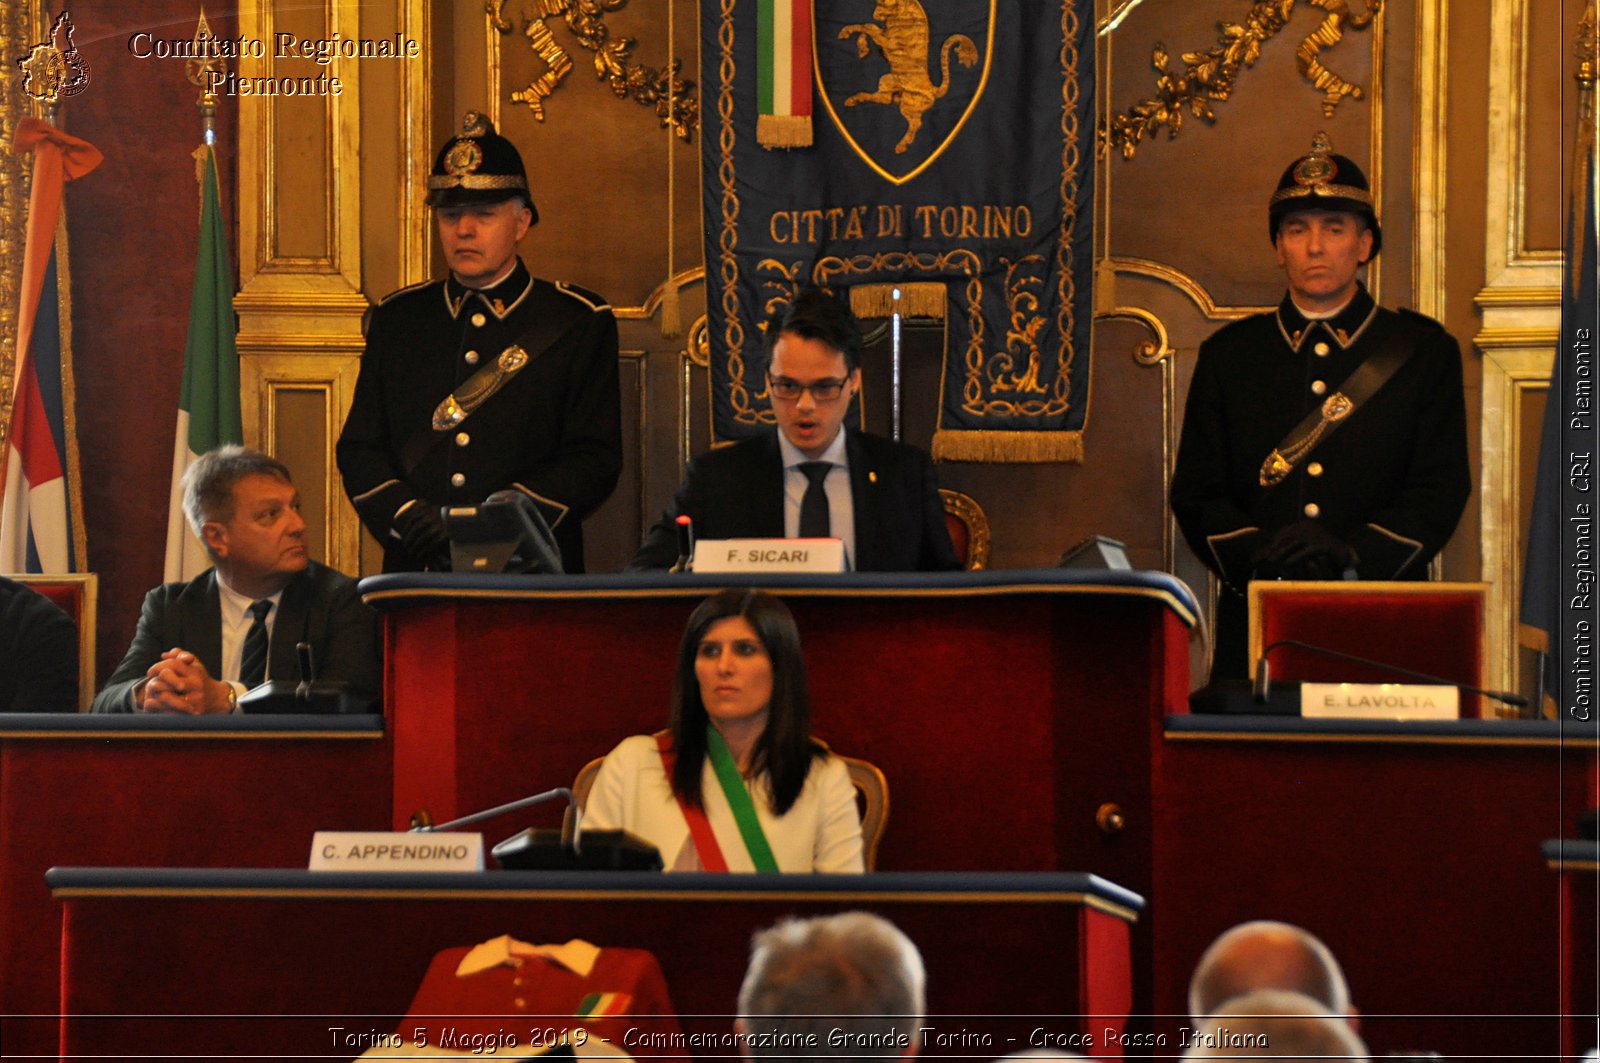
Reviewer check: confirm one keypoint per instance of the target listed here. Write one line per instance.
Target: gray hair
(1267, 955)
(209, 479)
(838, 985)
(1276, 1024)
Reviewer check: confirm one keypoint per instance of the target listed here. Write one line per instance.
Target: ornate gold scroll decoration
(1210, 76)
(674, 99)
(15, 38)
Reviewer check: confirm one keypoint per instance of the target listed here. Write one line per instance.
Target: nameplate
(768, 555)
(351, 850)
(1380, 701)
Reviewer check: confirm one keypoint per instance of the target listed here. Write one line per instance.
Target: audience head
(1267, 955)
(1275, 1024)
(853, 973)
(814, 370)
(244, 507)
(740, 665)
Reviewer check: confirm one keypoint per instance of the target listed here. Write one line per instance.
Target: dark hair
(817, 315)
(208, 482)
(785, 749)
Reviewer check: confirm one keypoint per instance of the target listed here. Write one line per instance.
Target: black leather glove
(1304, 550)
(423, 536)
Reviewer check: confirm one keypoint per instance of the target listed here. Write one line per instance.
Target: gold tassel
(997, 448)
(918, 299)
(784, 130)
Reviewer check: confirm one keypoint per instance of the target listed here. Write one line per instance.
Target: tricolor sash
(738, 798)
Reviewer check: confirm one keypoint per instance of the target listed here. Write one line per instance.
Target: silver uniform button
(1321, 350)
(471, 357)
(1318, 387)
(478, 320)
(458, 480)
(462, 439)
(1313, 510)
(1314, 469)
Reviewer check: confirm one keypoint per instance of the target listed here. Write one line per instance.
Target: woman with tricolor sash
(736, 783)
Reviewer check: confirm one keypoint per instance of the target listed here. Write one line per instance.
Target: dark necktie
(253, 661)
(814, 521)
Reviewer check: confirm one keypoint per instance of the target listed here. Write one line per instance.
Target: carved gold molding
(1191, 288)
(416, 146)
(1212, 75)
(1429, 175)
(267, 377)
(673, 99)
(19, 29)
(300, 313)
(1509, 372)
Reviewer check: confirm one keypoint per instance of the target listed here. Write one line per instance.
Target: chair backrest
(1429, 627)
(968, 526)
(872, 795)
(77, 595)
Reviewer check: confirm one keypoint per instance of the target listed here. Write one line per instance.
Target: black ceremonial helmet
(1323, 181)
(478, 165)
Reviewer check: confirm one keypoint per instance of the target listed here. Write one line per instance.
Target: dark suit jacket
(737, 493)
(319, 606)
(38, 653)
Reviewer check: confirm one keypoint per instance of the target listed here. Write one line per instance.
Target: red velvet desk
(1578, 863)
(159, 791)
(1411, 849)
(1004, 707)
(164, 962)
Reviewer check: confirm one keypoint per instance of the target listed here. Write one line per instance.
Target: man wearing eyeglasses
(814, 477)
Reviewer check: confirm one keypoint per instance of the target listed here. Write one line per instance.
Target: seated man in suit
(39, 645)
(814, 477)
(201, 644)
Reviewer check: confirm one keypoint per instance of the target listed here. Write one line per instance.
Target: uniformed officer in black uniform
(1327, 439)
(487, 379)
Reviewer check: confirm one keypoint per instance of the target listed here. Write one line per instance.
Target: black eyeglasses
(790, 390)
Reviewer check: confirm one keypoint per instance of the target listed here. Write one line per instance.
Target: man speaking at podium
(814, 478)
(1327, 439)
(201, 644)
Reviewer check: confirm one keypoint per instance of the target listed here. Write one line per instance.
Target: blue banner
(952, 159)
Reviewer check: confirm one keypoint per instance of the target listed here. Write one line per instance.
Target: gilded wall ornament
(674, 99)
(1211, 76)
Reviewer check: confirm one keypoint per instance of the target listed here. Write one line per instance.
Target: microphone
(421, 825)
(1263, 683)
(308, 671)
(685, 543)
(548, 850)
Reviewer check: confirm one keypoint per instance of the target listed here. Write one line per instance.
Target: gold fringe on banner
(918, 299)
(1007, 447)
(783, 130)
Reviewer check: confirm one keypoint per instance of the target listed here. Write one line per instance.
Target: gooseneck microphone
(1263, 682)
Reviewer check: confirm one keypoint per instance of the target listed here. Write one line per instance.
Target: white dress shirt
(236, 621)
(841, 504)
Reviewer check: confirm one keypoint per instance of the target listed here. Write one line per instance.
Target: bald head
(1267, 955)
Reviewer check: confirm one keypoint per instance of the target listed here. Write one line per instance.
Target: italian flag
(208, 407)
(603, 1005)
(783, 72)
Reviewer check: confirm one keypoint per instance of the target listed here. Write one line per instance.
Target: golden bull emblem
(902, 34)
(903, 39)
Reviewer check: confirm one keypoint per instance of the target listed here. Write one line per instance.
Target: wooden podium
(215, 964)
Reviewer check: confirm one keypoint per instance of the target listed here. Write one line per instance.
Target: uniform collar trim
(1342, 330)
(498, 300)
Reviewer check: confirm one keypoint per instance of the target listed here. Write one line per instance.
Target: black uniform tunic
(1391, 481)
(553, 431)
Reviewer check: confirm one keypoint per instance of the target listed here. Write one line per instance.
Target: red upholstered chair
(969, 528)
(78, 595)
(1429, 627)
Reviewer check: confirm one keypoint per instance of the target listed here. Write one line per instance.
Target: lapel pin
(872, 476)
